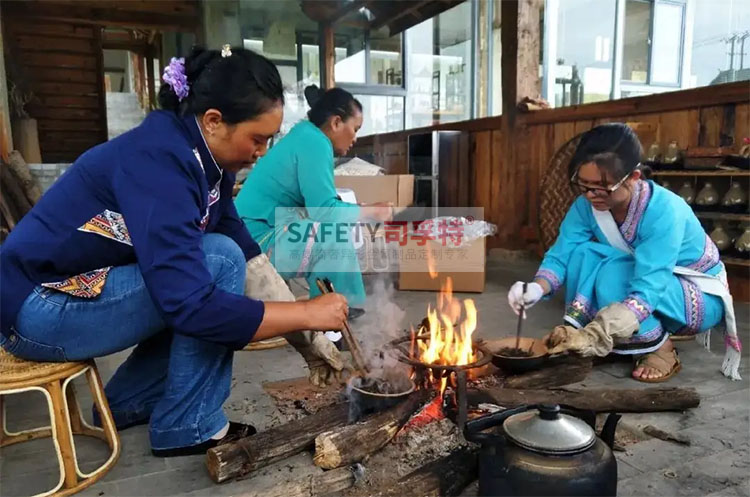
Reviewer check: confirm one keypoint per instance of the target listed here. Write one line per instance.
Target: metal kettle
(544, 450)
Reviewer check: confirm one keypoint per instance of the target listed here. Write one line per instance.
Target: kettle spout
(608, 431)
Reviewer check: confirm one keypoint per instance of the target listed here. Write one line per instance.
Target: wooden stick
(250, 453)
(28, 183)
(328, 482)
(350, 444)
(357, 357)
(447, 476)
(665, 435)
(348, 333)
(598, 400)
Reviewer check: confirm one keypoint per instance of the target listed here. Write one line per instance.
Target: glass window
(439, 52)
(636, 41)
(583, 51)
(385, 58)
(311, 64)
(720, 35)
(350, 57)
(667, 46)
(381, 114)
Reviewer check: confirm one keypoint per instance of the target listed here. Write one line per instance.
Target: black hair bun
(313, 94)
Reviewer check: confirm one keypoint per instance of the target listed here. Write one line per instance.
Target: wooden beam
(347, 9)
(379, 23)
(84, 14)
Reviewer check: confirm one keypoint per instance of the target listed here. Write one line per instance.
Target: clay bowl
(515, 365)
(363, 402)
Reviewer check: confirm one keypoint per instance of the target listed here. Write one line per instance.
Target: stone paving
(716, 463)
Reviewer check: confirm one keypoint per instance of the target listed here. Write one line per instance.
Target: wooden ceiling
(396, 15)
(177, 15)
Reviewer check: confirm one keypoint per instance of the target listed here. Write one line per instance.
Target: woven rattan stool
(53, 380)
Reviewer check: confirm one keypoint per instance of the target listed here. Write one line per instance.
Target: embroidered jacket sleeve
(230, 225)
(574, 230)
(315, 176)
(657, 247)
(164, 225)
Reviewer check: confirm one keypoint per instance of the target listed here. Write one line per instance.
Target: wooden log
(28, 183)
(11, 188)
(445, 477)
(329, 482)
(567, 371)
(248, 454)
(598, 400)
(350, 444)
(655, 432)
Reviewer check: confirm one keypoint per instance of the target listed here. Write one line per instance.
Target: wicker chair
(555, 194)
(53, 380)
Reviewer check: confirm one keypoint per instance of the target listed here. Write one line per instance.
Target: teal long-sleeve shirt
(296, 172)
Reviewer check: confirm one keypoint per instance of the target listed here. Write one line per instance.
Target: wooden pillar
(328, 56)
(520, 39)
(6, 140)
(149, 59)
(484, 59)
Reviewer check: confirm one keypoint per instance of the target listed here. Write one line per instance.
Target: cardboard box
(396, 188)
(465, 265)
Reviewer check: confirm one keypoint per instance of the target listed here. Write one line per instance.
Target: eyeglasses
(598, 191)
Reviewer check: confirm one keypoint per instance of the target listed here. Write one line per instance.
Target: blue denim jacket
(147, 196)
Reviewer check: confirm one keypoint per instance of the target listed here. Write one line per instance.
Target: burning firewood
(350, 444)
(251, 453)
(445, 477)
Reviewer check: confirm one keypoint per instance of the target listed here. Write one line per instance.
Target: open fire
(445, 337)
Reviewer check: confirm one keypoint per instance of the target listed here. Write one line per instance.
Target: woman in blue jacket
(139, 243)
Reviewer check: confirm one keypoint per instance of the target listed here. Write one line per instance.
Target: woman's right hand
(379, 211)
(519, 300)
(327, 312)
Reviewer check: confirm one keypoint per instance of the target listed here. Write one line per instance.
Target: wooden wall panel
(681, 126)
(481, 160)
(562, 133)
(541, 150)
(741, 123)
(710, 125)
(61, 63)
(507, 185)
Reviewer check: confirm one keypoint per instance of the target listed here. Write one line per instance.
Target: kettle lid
(549, 431)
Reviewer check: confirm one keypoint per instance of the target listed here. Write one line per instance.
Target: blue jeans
(177, 383)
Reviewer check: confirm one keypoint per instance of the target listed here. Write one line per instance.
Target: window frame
(650, 85)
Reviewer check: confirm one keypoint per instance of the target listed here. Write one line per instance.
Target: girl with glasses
(634, 262)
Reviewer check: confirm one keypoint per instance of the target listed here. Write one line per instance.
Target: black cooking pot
(544, 450)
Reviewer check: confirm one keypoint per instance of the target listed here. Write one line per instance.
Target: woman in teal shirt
(289, 202)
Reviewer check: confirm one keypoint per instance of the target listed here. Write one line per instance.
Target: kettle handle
(609, 428)
(474, 428)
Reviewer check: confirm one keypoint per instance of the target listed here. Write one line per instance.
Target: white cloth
(713, 285)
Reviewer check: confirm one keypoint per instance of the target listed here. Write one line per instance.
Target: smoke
(382, 323)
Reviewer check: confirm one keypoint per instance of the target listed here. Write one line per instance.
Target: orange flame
(431, 265)
(448, 339)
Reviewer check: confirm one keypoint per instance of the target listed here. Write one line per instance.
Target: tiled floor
(716, 463)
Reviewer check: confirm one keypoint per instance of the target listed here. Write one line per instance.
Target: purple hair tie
(174, 76)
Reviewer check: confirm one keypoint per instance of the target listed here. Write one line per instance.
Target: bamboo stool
(53, 380)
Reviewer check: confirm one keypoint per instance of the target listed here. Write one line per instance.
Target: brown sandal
(660, 362)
